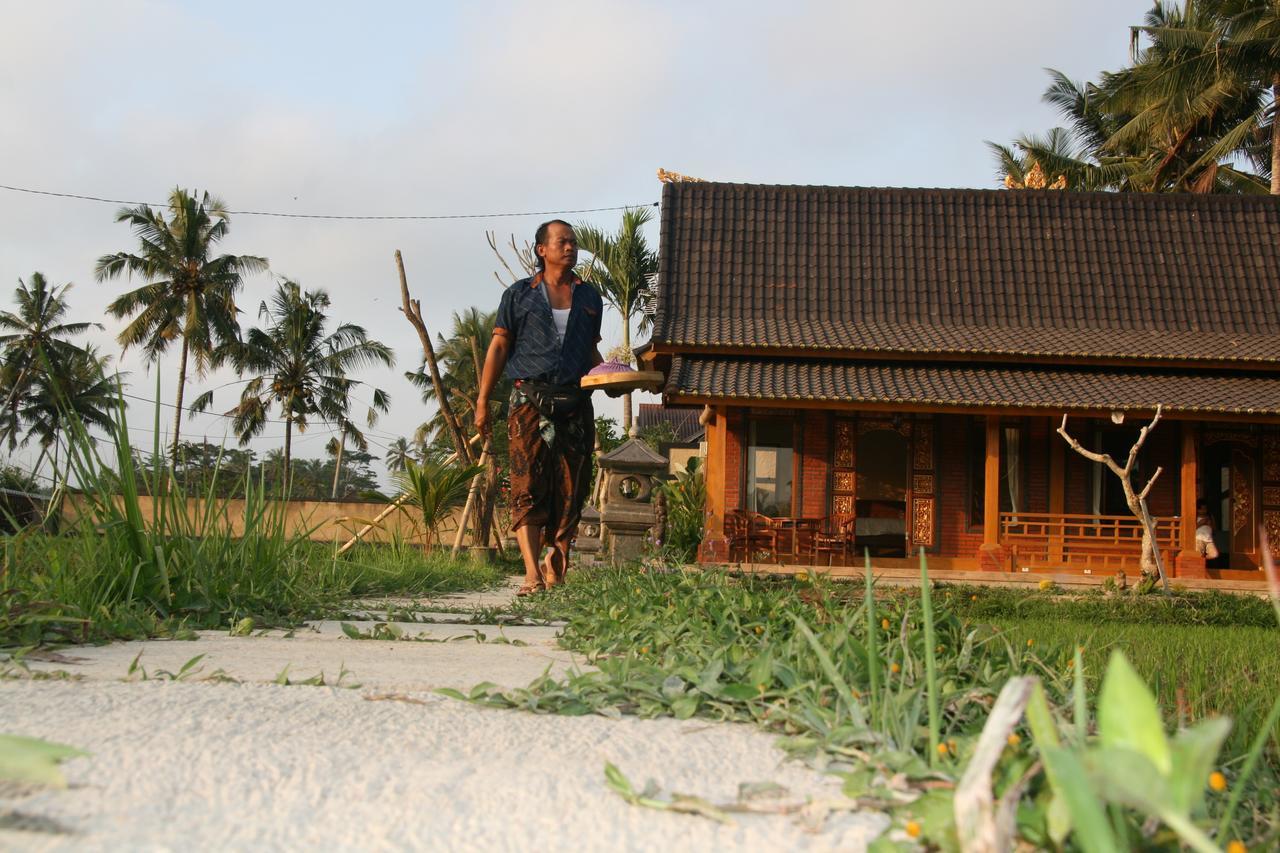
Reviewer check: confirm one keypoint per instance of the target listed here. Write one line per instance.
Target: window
(770, 458)
(1106, 495)
(1013, 461)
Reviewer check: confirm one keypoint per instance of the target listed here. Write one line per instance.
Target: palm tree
(34, 340)
(621, 265)
(296, 366)
(337, 409)
(1248, 44)
(399, 455)
(78, 391)
(1190, 114)
(435, 489)
(189, 293)
(460, 357)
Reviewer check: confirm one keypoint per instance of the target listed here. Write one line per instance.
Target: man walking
(546, 338)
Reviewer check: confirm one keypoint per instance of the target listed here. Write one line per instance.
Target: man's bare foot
(553, 567)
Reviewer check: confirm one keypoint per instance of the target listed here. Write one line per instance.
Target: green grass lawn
(1194, 670)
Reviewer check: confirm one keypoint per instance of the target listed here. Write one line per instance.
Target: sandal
(529, 589)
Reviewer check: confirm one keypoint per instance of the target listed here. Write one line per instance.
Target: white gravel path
(388, 765)
(213, 766)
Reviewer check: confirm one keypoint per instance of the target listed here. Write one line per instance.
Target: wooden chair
(736, 534)
(835, 537)
(762, 537)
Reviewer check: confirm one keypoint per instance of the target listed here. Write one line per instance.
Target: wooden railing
(1092, 543)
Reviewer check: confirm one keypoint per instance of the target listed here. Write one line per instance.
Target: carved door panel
(922, 496)
(1243, 506)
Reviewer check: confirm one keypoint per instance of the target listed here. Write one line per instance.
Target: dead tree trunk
(412, 310)
(1136, 500)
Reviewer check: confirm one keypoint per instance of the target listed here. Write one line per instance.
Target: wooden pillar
(1188, 495)
(717, 450)
(1057, 491)
(991, 494)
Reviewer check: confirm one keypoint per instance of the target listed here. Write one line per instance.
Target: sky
(433, 108)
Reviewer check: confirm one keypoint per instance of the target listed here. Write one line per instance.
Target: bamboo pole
(470, 505)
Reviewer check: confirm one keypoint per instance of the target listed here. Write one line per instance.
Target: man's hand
(484, 424)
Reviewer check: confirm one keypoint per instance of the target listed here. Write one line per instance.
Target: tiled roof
(683, 420)
(1043, 274)
(962, 386)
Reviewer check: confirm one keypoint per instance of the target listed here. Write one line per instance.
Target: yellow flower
(939, 649)
(760, 688)
(894, 668)
(637, 590)
(759, 629)
(1235, 845)
(800, 576)
(1014, 739)
(884, 624)
(942, 749)
(1217, 781)
(644, 650)
(913, 829)
(1029, 642)
(973, 598)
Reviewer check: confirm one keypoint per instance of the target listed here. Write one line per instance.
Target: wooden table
(793, 536)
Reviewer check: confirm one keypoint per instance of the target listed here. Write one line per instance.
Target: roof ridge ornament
(667, 177)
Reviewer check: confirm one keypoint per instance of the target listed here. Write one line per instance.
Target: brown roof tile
(988, 386)
(1034, 274)
(683, 419)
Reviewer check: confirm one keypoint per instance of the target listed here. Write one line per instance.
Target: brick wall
(815, 464)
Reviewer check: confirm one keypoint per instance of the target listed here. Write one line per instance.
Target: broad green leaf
(684, 707)
(1128, 717)
(1058, 818)
(1195, 751)
(1069, 780)
(350, 630)
(28, 759)
(858, 782)
(739, 692)
(936, 813)
(1124, 776)
(1040, 718)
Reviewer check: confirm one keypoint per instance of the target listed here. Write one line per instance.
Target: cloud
(483, 107)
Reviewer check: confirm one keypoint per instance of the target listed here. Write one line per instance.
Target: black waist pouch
(554, 402)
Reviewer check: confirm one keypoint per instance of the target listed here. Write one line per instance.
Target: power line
(334, 216)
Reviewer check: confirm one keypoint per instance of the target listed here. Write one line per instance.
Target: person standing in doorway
(546, 338)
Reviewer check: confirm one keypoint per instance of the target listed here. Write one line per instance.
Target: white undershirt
(561, 318)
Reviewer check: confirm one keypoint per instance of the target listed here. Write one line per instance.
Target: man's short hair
(540, 237)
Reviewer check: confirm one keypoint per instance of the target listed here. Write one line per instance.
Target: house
(683, 427)
(889, 367)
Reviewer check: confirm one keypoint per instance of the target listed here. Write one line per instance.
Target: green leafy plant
(434, 490)
(31, 760)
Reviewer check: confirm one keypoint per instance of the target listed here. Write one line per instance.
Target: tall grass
(115, 570)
